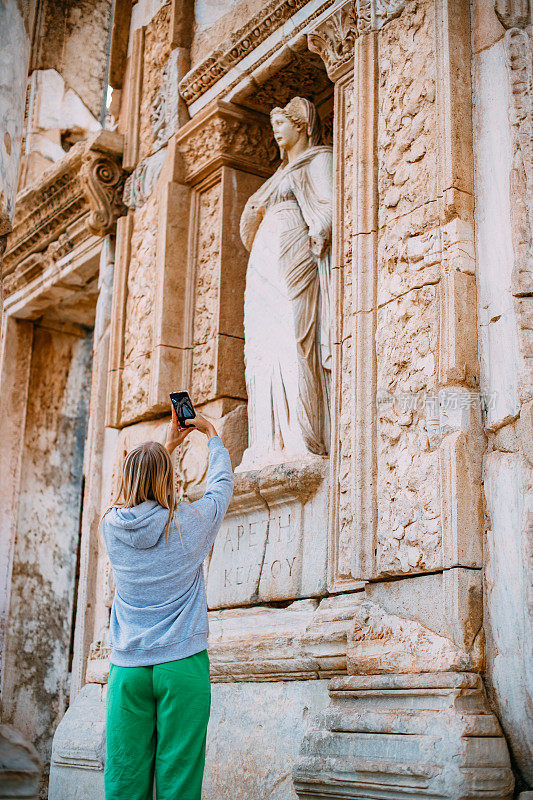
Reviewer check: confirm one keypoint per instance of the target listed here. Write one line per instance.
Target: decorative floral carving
(103, 180)
(333, 39)
(227, 136)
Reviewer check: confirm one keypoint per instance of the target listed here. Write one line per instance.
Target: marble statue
(286, 226)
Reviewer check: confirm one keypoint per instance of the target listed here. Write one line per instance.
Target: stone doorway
(48, 510)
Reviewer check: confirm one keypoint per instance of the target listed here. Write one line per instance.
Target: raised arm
(208, 512)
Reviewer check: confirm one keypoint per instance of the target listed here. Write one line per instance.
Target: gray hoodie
(159, 612)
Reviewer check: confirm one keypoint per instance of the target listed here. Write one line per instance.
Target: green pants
(156, 725)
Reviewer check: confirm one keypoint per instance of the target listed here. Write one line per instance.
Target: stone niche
(273, 542)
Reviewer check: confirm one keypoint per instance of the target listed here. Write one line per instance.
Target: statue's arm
(251, 218)
(319, 204)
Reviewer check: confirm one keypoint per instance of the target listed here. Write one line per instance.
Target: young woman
(159, 692)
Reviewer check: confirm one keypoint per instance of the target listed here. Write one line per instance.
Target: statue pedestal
(273, 541)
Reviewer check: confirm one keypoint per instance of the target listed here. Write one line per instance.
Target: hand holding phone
(183, 406)
(185, 416)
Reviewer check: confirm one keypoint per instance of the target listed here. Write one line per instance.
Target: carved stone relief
(141, 183)
(519, 52)
(165, 106)
(367, 14)
(104, 183)
(272, 545)
(139, 321)
(158, 100)
(333, 39)
(224, 135)
(209, 233)
(342, 511)
(243, 41)
(81, 195)
(302, 75)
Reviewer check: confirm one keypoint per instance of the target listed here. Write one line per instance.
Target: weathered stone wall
(46, 545)
(503, 114)
(72, 38)
(375, 580)
(15, 41)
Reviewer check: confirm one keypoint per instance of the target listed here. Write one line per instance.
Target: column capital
(334, 37)
(225, 135)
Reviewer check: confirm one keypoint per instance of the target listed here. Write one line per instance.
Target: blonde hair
(148, 475)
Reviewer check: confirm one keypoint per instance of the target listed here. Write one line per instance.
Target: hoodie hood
(139, 526)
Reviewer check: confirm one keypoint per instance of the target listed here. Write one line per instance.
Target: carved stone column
(350, 59)
(407, 438)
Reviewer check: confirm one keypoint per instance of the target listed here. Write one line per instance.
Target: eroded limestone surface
(384, 564)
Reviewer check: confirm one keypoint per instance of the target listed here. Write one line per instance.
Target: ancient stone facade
(370, 598)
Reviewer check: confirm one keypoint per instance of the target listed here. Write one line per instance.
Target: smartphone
(183, 406)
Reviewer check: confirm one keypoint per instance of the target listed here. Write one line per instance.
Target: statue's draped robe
(287, 313)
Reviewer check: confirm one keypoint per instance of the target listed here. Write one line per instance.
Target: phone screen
(183, 406)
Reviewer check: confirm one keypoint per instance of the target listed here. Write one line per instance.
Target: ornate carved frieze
(223, 134)
(242, 42)
(513, 13)
(369, 15)
(82, 192)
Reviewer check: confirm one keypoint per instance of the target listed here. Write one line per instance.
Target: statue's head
(296, 121)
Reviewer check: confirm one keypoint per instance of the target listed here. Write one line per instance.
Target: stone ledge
(425, 735)
(305, 641)
(291, 480)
